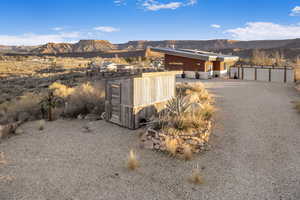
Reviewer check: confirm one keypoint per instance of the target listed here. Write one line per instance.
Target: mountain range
(241, 48)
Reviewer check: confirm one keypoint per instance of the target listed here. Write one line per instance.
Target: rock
(102, 116)
(92, 117)
(80, 116)
(19, 131)
(23, 116)
(157, 147)
(148, 144)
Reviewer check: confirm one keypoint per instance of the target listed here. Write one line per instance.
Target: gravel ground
(255, 154)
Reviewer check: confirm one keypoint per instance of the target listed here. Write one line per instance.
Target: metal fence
(263, 73)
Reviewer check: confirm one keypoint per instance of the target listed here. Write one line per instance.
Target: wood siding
(185, 64)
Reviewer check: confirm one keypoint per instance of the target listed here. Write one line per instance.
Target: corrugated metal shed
(132, 100)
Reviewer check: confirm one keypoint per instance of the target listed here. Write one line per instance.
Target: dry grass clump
(2, 159)
(41, 125)
(83, 99)
(297, 106)
(185, 125)
(187, 152)
(171, 145)
(27, 104)
(196, 177)
(61, 90)
(132, 162)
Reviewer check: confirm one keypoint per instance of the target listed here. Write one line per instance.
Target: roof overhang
(195, 55)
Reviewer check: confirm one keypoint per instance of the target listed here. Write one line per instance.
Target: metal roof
(196, 54)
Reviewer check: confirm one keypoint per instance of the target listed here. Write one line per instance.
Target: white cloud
(57, 28)
(119, 2)
(295, 11)
(191, 2)
(37, 39)
(154, 5)
(264, 31)
(215, 26)
(107, 29)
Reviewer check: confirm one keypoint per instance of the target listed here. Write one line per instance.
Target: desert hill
(213, 44)
(81, 46)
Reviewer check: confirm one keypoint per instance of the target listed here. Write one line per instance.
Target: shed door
(115, 102)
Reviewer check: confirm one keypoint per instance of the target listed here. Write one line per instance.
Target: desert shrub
(28, 104)
(61, 90)
(83, 99)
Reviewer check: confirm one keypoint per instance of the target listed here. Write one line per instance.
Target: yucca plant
(178, 105)
(49, 103)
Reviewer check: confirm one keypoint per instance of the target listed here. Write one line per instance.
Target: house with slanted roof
(195, 63)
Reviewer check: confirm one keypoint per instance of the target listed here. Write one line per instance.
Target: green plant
(49, 103)
(177, 106)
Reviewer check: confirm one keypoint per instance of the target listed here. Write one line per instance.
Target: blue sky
(32, 22)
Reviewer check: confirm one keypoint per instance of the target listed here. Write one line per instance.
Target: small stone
(19, 131)
(102, 116)
(157, 146)
(92, 117)
(80, 117)
(148, 144)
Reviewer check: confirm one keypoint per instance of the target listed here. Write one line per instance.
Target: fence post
(239, 72)
(255, 73)
(285, 74)
(242, 73)
(270, 74)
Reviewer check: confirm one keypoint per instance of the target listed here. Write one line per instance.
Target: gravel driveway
(255, 154)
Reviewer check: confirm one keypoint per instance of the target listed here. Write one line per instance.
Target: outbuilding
(195, 63)
(132, 100)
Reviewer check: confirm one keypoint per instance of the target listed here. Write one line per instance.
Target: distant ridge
(81, 46)
(235, 47)
(213, 44)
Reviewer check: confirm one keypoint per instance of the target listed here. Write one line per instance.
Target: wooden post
(285, 74)
(242, 73)
(270, 74)
(255, 73)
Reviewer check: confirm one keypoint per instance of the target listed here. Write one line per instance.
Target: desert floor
(255, 154)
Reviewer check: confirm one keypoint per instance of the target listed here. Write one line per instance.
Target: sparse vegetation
(132, 162)
(185, 125)
(196, 177)
(41, 125)
(83, 99)
(297, 106)
(2, 159)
